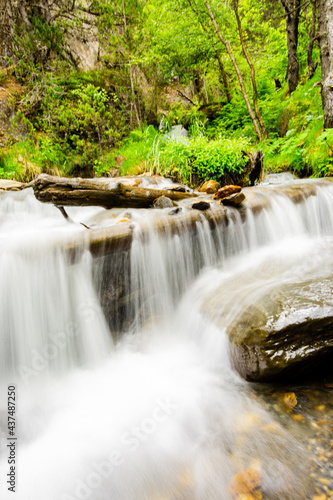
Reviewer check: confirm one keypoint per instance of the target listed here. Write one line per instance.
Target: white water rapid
(160, 414)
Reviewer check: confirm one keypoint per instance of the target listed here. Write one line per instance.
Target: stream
(157, 412)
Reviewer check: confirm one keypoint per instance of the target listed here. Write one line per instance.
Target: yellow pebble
(298, 417)
(323, 480)
(125, 219)
(289, 399)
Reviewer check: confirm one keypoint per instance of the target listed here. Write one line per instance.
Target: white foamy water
(161, 415)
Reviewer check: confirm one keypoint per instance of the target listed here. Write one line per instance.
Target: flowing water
(160, 414)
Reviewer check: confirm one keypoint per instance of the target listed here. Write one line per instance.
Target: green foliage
(33, 46)
(200, 158)
(160, 58)
(197, 158)
(298, 141)
(8, 168)
(27, 159)
(3, 77)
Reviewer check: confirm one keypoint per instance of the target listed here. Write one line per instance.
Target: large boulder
(279, 329)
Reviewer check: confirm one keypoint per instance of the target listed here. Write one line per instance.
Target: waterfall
(159, 414)
(51, 319)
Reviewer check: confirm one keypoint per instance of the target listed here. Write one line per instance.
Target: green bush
(199, 158)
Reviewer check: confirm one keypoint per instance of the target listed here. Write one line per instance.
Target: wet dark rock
(179, 188)
(234, 200)
(283, 333)
(201, 205)
(163, 202)
(175, 211)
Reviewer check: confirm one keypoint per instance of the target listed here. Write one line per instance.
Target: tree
(252, 114)
(312, 38)
(292, 9)
(253, 73)
(325, 14)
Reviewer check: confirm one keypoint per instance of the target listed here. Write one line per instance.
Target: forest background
(95, 88)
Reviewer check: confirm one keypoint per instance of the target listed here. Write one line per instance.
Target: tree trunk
(253, 74)
(239, 74)
(325, 15)
(218, 57)
(312, 38)
(292, 8)
(224, 77)
(98, 192)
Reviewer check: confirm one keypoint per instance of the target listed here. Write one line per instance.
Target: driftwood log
(95, 192)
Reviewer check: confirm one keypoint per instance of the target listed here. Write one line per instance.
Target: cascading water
(160, 415)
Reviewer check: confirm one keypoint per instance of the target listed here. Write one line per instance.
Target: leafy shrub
(199, 158)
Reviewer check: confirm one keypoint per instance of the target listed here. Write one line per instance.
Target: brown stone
(210, 187)
(289, 400)
(234, 200)
(226, 191)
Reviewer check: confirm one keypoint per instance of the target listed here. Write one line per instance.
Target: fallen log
(10, 185)
(104, 193)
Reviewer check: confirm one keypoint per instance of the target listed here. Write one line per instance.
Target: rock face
(210, 187)
(226, 191)
(282, 332)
